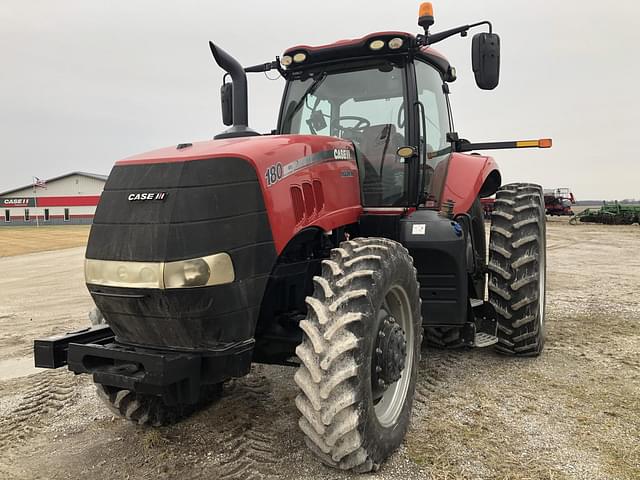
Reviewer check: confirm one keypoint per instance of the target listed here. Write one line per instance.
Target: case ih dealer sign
(19, 202)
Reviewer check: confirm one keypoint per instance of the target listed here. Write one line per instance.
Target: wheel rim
(390, 405)
(542, 291)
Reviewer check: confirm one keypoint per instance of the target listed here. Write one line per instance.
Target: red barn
(69, 199)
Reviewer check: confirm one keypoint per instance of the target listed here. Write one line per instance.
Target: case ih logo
(18, 202)
(342, 154)
(143, 197)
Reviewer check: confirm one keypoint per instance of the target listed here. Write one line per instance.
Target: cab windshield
(366, 106)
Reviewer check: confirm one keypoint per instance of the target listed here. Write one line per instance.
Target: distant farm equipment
(610, 214)
(558, 201)
(488, 204)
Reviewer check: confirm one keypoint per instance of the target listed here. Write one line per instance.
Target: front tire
(359, 355)
(517, 268)
(149, 409)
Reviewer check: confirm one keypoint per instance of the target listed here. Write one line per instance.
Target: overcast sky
(84, 83)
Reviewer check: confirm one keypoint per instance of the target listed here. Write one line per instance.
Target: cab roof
(359, 48)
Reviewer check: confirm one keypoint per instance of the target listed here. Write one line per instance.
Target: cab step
(482, 340)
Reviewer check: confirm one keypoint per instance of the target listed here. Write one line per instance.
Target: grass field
(21, 240)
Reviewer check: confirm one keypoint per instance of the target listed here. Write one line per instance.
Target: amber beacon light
(425, 15)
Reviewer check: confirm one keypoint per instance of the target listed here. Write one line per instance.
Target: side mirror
(226, 99)
(485, 57)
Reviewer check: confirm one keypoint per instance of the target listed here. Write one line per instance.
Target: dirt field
(21, 240)
(573, 413)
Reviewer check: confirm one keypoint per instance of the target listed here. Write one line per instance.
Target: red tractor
(558, 201)
(330, 245)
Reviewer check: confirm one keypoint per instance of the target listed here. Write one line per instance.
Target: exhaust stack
(230, 65)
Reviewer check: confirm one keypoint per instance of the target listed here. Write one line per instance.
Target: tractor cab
(369, 91)
(386, 92)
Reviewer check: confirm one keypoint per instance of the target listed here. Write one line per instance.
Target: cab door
(437, 123)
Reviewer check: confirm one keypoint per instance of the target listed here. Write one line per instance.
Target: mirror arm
(484, 22)
(266, 67)
(462, 30)
(261, 67)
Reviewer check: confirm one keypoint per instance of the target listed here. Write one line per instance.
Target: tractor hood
(240, 198)
(261, 151)
(197, 199)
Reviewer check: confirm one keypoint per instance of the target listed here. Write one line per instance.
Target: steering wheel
(361, 123)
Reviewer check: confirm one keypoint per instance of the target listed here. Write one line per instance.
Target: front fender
(469, 177)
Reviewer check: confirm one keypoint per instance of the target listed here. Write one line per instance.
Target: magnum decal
(277, 172)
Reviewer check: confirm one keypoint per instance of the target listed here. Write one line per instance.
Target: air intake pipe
(229, 64)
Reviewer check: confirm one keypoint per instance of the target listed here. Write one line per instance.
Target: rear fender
(470, 177)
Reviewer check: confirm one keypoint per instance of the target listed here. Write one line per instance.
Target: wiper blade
(309, 91)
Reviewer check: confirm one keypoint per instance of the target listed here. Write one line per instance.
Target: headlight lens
(123, 274)
(299, 57)
(286, 60)
(395, 43)
(214, 269)
(189, 273)
(376, 45)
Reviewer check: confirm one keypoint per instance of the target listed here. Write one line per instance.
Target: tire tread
(329, 373)
(516, 247)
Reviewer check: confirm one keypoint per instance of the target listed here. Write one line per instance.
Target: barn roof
(60, 177)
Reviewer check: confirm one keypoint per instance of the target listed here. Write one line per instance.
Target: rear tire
(149, 409)
(364, 306)
(444, 337)
(517, 268)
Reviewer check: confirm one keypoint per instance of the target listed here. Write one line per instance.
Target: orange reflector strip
(426, 9)
(527, 143)
(542, 143)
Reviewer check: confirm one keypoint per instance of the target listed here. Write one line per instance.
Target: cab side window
(430, 94)
(429, 84)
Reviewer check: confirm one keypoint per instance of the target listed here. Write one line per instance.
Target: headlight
(299, 57)
(123, 274)
(395, 43)
(376, 45)
(286, 60)
(189, 273)
(214, 269)
(199, 272)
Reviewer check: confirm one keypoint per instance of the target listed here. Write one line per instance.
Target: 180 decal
(273, 174)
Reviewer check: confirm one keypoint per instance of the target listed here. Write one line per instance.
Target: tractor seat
(378, 145)
(378, 141)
